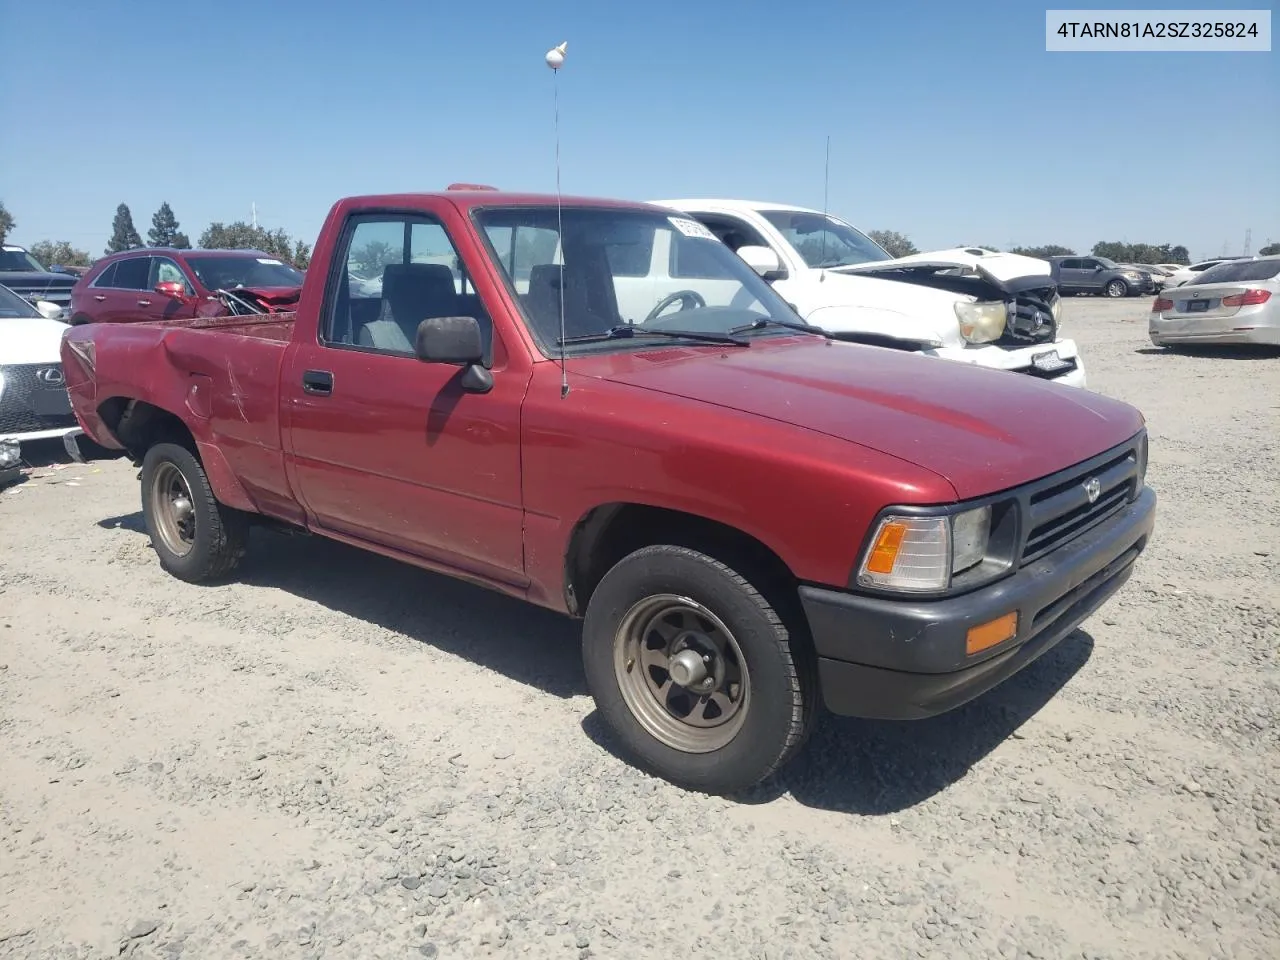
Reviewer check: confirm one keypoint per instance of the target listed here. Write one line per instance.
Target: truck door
(385, 448)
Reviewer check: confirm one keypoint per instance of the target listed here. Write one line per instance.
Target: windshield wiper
(626, 331)
(763, 322)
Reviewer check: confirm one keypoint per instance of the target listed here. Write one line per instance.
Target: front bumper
(905, 659)
(1022, 359)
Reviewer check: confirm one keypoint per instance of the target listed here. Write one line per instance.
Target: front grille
(29, 402)
(59, 295)
(1058, 509)
(1030, 318)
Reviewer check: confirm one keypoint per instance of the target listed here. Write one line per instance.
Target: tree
(60, 252)
(124, 235)
(302, 255)
(6, 222)
(164, 230)
(1045, 251)
(896, 243)
(244, 236)
(1141, 252)
(1270, 250)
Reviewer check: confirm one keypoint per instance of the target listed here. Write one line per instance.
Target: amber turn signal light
(986, 635)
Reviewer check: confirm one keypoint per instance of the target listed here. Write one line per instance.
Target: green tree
(1141, 252)
(124, 235)
(896, 243)
(301, 254)
(1045, 251)
(6, 222)
(1270, 250)
(164, 230)
(245, 236)
(50, 252)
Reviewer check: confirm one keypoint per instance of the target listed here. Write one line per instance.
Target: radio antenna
(826, 184)
(555, 60)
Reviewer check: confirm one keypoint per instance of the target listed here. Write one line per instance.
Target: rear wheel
(79, 320)
(195, 536)
(1117, 288)
(694, 670)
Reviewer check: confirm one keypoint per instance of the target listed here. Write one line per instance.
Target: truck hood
(30, 340)
(982, 430)
(28, 279)
(1006, 274)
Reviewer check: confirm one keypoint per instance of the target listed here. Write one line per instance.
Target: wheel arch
(607, 533)
(138, 425)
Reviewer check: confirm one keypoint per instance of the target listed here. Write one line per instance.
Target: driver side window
(398, 271)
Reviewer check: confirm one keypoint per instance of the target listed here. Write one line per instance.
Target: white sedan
(1237, 301)
(33, 395)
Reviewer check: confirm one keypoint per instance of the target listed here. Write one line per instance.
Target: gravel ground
(343, 757)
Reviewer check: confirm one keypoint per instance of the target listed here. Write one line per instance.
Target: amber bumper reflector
(988, 634)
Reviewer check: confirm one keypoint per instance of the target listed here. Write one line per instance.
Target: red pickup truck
(597, 407)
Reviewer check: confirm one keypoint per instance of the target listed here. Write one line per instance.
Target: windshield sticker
(269, 262)
(691, 228)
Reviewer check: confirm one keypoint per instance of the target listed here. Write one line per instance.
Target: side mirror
(172, 288)
(1097, 268)
(456, 341)
(764, 261)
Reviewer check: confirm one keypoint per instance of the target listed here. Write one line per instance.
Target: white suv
(971, 305)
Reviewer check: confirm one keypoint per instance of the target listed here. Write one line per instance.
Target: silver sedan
(1235, 302)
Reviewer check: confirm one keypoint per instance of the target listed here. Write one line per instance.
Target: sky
(948, 122)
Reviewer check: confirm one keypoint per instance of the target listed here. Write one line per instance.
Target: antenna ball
(555, 56)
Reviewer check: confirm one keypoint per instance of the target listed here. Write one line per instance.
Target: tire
(1116, 288)
(79, 320)
(701, 604)
(200, 541)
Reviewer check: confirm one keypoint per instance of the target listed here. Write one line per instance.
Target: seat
(411, 292)
(588, 308)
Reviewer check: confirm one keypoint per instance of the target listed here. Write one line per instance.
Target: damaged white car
(966, 304)
(33, 395)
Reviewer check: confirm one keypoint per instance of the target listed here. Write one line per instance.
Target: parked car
(33, 396)
(169, 284)
(1075, 275)
(970, 305)
(1159, 276)
(749, 516)
(1237, 301)
(1187, 274)
(27, 277)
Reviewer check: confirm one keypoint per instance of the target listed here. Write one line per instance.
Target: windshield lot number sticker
(691, 228)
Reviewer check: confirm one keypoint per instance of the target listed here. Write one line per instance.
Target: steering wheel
(688, 300)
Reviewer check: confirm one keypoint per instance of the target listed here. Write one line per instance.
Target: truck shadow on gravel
(877, 767)
(1207, 352)
(525, 643)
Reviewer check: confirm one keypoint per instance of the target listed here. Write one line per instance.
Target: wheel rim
(1115, 288)
(173, 510)
(681, 673)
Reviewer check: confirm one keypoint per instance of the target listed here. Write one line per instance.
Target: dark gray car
(28, 278)
(1099, 275)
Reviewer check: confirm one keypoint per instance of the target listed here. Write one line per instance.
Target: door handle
(144, 303)
(99, 297)
(317, 382)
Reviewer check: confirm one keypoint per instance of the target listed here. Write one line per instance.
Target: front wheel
(195, 536)
(1117, 288)
(694, 670)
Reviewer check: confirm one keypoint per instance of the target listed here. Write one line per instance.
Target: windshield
(16, 261)
(824, 241)
(1109, 264)
(1240, 271)
(227, 273)
(12, 305)
(634, 270)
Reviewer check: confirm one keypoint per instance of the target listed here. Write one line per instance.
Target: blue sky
(948, 121)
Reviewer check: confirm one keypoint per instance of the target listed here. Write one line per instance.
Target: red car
(170, 284)
(751, 517)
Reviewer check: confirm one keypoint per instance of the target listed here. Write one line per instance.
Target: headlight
(1132, 276)
(1056, 310)
(921, 554)
(1, 383)
(981, 322)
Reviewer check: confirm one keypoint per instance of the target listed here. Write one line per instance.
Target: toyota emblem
(1092, 489)
(51, 376)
